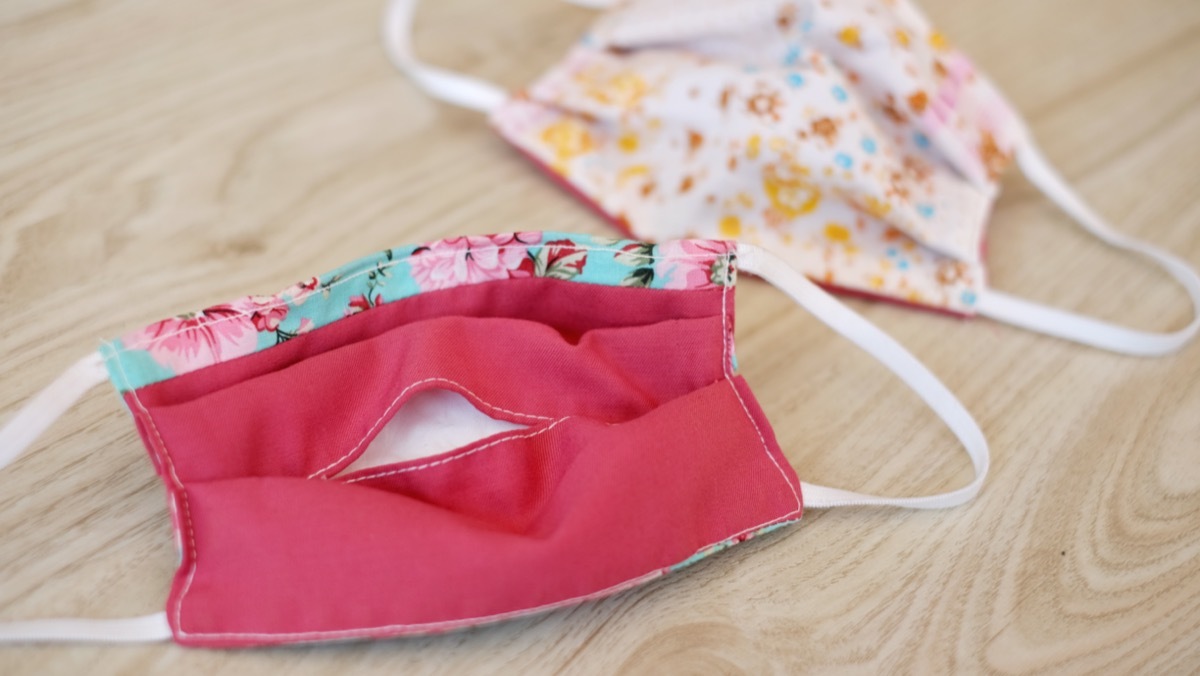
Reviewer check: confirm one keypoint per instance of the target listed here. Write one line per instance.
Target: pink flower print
(266, 312)
(692, 264)
(560, 259)
(362, 303)
(192, 341)
(300, 291)
(471, 260)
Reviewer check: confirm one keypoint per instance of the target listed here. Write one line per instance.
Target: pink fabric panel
(280, 424)
(571, 309)
(552, 515)
(642, 450)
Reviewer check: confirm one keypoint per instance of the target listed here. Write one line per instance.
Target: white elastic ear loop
(446, 85)
(141, 629)
(460, 90)
(17, 435)
(48, 405)
(1079, 328)
(899, 361)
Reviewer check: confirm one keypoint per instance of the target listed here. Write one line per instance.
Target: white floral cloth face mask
(846, 136)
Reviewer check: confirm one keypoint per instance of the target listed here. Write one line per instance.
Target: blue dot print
(892, 252)
(903, 265)
(795, 79)
(868, 146)
(968, 297)
(839, 93)
(921, 140)
(793, 55)
(925, 210)
(843, 160)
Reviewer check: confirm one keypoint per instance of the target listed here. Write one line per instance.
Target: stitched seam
(452, 624)
(301, 297)
(763, 439)
(187, 507)
(157, 434)
(726, 341)
(464, 454)
(391, 409)
(727, 352)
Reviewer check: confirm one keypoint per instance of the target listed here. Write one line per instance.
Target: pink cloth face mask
(846, 136)
(459, 433)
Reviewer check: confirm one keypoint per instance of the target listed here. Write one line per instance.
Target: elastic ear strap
(898, 360)
(460, 90)
(1079, 328)
(152, 627)
(48, 405)
(17, 435)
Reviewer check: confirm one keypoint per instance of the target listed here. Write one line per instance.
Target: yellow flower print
(631, 172)
(901, 37)
(778, 144)
(624, 90)
(840, 236)
(850, 37)
(568, 139)
(837, 232)
(753, 146)
(730, 226)
(877, 207)
(792, 194)
(938, 41)
(628, 89)
(628, 142)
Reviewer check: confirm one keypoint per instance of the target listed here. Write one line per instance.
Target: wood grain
(160, 156)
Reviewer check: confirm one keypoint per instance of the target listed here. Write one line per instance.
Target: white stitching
(763, 439)
(389, 264)
(446, 624)
(727, 357)
(379, 632)
(391, 409)
(464, 454)
(158, 435)
(187, 507)
(726, 368)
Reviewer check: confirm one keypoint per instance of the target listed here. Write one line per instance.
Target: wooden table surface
(159, 156)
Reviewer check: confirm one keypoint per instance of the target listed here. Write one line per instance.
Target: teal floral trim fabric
(726, 544)
(195, 340)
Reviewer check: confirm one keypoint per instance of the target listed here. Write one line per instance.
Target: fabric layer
(640, 452)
